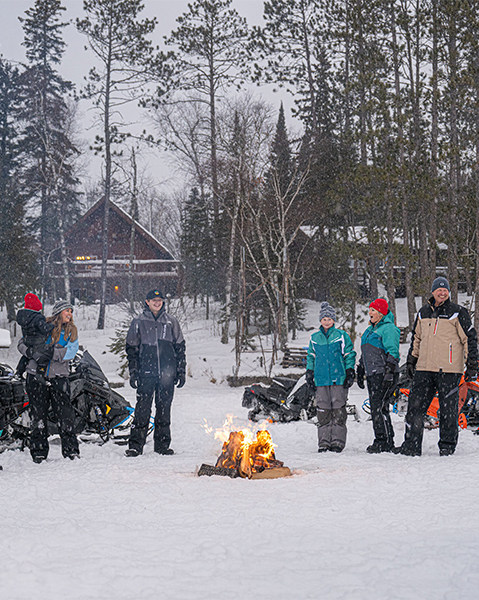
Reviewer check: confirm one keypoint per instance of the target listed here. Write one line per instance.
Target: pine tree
(18, 266)
(47, 137)
(196, 245)
(119, 41)
(286, 46)
(209, 47)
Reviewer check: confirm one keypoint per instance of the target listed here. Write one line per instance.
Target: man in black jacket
(155, 348)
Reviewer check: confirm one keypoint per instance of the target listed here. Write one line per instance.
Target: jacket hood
(388, 318)
(25, 316)
(147, 312)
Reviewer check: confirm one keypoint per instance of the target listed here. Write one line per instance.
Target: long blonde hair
(70, 331)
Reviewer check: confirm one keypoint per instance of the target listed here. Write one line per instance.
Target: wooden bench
(294, 357)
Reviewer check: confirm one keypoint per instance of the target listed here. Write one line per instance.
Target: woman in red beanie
(379, 363)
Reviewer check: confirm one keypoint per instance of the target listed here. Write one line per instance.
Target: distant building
(153, 264)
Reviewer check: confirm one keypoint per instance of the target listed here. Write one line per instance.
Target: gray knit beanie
(440, 282)
(59, 306)
(327, 311)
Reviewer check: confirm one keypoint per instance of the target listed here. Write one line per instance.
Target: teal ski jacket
(330, 353)
(379, 345)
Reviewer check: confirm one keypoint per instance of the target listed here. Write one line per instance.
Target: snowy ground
(347, 526)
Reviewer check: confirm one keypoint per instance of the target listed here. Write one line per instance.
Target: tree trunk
(107, 190)
(134, 217)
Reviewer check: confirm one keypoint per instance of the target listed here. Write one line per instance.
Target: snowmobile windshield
(88, 362)
(292, 395)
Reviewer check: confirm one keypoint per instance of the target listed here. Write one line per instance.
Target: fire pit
(243, 455)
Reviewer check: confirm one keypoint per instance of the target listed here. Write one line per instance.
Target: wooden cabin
(154, 266)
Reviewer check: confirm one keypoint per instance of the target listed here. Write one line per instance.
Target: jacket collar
(441, 307)
(147, 312)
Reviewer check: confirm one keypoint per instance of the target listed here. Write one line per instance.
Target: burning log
(254, 459)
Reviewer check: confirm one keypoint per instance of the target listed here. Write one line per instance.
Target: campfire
(246, 455)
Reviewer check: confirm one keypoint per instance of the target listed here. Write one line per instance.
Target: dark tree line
(387, 164)
(377, 194)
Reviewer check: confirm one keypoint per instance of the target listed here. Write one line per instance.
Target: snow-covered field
(344, 526)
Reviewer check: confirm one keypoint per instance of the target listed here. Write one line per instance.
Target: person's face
(155, 305)
(440, 295)
(66, 315)
(374, 315)
(327, 322)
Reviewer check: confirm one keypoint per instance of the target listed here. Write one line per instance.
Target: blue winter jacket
(379, 345)
(330, 353)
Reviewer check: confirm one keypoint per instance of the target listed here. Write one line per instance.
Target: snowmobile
(100, 412)
(284, 400)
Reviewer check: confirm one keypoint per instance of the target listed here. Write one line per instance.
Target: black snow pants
(379, 404)
(424, 386)
(41, 396)
(162, 389)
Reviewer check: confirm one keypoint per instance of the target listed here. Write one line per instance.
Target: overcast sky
(76, 61)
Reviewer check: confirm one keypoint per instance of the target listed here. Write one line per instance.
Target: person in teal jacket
(379, 362)
(330, 372)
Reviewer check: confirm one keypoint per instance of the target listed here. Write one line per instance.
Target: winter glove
(471, 373)
(411, 366)
(389, 371)
(29, 352)
(43, 356)
(134, 380)
(348, 382)
(180, 380)
(360, 376)
(310, 379)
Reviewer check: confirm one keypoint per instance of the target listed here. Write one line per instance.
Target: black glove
(310, 379)
(29, 352)
(348, 382)
(411, 366)
(43, 356)
(471, 373)
(360, 374)
(134, 380)
(180, 380)
(389, 371)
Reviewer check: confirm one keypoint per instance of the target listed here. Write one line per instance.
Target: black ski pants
(425, 384)
(161, 388)
(41, 397)
(379, 394)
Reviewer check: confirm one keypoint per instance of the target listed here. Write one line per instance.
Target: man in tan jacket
(443, 343)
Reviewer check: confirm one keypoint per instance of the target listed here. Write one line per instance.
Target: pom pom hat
(380, 305)
(32, 302)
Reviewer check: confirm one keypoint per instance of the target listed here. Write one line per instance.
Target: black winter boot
(377, 447)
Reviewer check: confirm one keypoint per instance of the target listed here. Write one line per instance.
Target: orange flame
(248, 450)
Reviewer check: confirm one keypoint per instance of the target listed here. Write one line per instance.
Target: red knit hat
(33, 302)
(380, 305)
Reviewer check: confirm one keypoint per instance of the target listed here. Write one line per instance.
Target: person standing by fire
(330, 372)
(443, 342)
(155, 348)
(379, 363)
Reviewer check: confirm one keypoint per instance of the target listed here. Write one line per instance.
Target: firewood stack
(253, 461)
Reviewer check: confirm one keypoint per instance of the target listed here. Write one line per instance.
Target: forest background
(372, 186)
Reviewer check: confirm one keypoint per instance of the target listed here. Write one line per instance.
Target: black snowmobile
(284, 400)
(100, 412)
